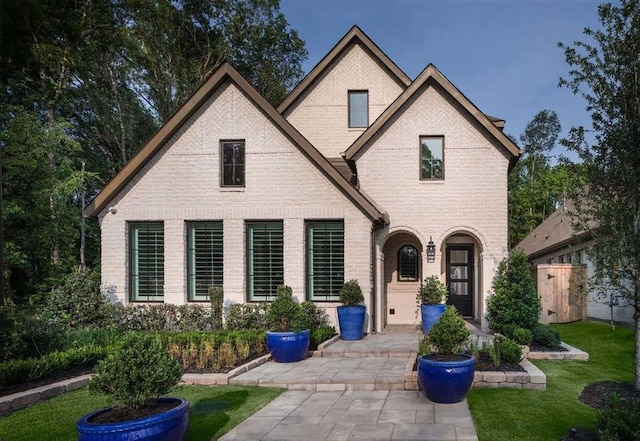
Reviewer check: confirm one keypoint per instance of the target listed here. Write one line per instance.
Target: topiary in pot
(446, 375)
(430, 298)
(135, 375)
(351, 313)
(288, 335)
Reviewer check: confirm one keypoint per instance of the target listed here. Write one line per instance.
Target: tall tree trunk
(82, 223)
(637, 373)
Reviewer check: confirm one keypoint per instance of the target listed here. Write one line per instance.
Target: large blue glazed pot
(287, 347)
(170, 425)
(430, 315)
(446, 381)
(351, 320)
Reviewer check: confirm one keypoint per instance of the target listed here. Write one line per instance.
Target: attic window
(232, 160)
(431, 157)
(358, 108)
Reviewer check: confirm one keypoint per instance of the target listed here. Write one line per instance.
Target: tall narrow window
(408, 263)
(232, 163)
(358, 108)
(325, 260)
(265, 260)
(146, 260)
(204, 258)
(431, 157)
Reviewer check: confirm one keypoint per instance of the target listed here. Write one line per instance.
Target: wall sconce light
(431, 250)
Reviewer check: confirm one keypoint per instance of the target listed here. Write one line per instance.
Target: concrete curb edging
(20, 400)
(571, 353)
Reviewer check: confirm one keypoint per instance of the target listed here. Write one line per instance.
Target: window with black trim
(431, 157)
(146, 261)
(204, 259)
(325, 260)
(233, 161)
(358, 108)
(265, 260)
(408, 264)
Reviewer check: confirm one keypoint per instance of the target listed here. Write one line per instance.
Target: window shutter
(265, 260)
(205, 258)
(325, 260)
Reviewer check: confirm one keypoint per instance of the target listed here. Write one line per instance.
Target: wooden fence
(562, 291)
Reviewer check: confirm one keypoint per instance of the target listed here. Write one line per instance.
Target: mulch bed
(597, 394)
(537, 348)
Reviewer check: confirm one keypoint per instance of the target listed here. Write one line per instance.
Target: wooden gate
(562, 291)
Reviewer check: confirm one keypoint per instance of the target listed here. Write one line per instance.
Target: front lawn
(505, 414)
(213, 411)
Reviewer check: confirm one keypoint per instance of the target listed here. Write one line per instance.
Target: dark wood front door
(460, 277)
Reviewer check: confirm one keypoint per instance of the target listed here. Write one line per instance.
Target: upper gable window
(232, 153)
(431, 157)
(358, 108)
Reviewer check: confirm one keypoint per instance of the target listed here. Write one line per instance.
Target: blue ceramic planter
(287, 347)
(351, 320)
(166, 426)
(430, 315)
(446, 381)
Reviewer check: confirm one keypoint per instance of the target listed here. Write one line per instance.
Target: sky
(502, 54)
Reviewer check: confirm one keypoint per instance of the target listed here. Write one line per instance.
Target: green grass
(213, 412)
(506, 414)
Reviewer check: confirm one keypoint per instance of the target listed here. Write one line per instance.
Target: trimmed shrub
(432, 292)
(30, 333)
(619, 421)
(246, 316)
(351, 293)
(314, 316)
(78, 302)
(544, 335)
(139, 371)
(216, 296)
(449, 333)
(320, 334)
(508, 350)
(284, 313)
(520, 335)
(30, 369)
(514, 300)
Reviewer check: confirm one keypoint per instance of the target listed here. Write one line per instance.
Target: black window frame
(234, 166)
(431, 168)
(417, 264)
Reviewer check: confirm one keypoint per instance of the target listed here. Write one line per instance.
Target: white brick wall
(472, 199)
(181, 183)
(321, 113)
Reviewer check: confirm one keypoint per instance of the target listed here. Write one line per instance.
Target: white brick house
(360, 173)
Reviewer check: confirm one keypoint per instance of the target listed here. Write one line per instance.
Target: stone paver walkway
(354, 391)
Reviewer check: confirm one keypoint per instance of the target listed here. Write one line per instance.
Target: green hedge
(30, 369)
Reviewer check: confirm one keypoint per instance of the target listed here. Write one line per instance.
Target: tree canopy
(605, 71)
(86, 83)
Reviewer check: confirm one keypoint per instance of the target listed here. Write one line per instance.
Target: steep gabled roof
(430, 73)
(355, 35)
(553, 233)
(225, 72)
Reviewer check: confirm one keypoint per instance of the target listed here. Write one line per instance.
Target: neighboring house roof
(355, 35)
(430, 73)
(554, 232)
(225, 72)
